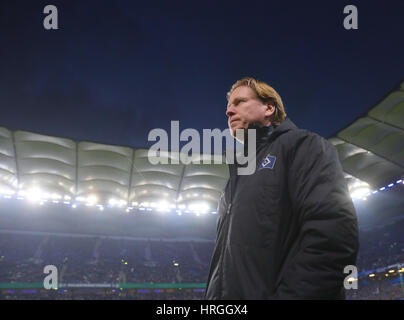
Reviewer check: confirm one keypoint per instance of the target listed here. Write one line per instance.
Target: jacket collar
(265, 134)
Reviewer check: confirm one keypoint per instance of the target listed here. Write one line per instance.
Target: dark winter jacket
(288, 230)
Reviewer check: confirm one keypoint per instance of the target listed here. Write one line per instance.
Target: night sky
(114, 70)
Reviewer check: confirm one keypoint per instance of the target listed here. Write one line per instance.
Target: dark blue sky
(117, 69)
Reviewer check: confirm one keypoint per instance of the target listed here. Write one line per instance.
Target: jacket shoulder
(306, 142)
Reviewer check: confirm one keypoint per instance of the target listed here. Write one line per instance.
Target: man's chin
(238, 134)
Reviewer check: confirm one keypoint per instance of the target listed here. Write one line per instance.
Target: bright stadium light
(163, 206)
(199, 207)
(360, 192)
(56, 196)
(112, 202)
(34, 194)
(91, 200)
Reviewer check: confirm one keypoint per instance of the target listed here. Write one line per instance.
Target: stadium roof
(371, 150)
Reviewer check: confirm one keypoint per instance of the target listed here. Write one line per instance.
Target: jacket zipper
(225, 233)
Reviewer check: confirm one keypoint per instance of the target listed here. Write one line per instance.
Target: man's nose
(230, 111)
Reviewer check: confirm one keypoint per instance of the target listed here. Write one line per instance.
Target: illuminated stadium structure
(118, 226)
(371, 149)
(43, 168)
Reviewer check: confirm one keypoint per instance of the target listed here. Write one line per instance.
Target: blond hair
(266, 94)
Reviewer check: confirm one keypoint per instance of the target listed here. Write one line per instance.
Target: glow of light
(359, 192)
(112, 202)
(91, 200)
(390, 185)
(163, 206)
(74, 206)
(371, 275)
(381, 189)
(181, 206)
(56, 196)
(122, 203)
(391, 271)
(199, 207)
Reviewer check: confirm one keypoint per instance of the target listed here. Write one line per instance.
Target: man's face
(244, 108)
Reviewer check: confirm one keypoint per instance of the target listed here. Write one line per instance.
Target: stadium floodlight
(56, 196)
(359, 192)
(163, 206)
(122, 203)
(7, 192)
(199, 207)
(34, 194)
(91, 200)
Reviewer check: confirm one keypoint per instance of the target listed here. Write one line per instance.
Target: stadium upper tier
(371, 149)
(41, 167)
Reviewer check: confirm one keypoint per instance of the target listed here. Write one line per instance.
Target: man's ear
(270, 110)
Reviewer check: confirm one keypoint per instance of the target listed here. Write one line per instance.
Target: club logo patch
(268, 162)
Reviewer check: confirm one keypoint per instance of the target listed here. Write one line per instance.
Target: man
(288, 230)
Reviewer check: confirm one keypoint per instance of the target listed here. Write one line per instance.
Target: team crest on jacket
(268, 162)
